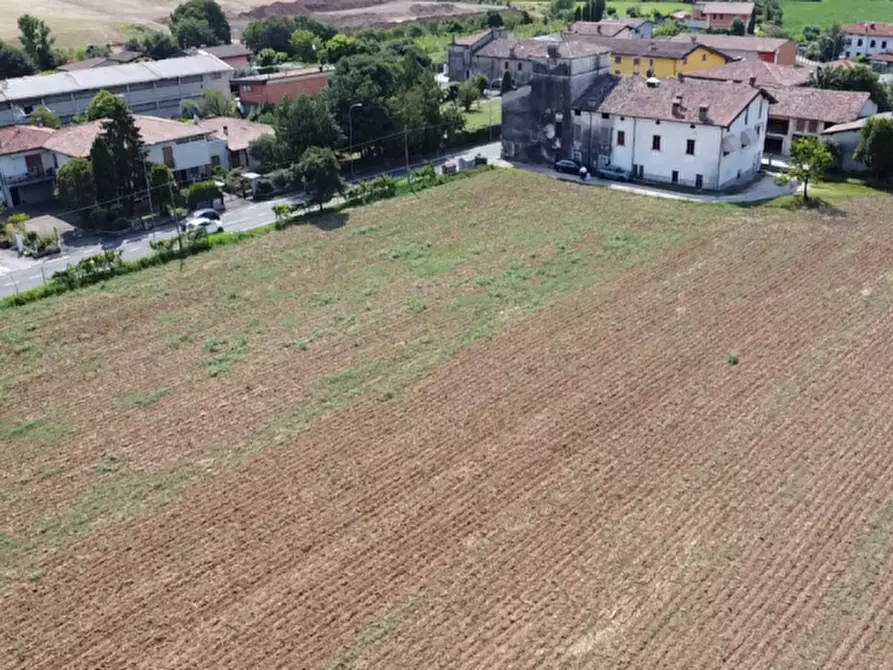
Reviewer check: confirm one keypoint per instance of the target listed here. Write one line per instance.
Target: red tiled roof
(858, 124)
(529, 49)
(765, 74)
(238, 133)
(884, 58)
(870, 29)
(76, 141)
(17, 139)
(816, 104)
(633, 96)
(470, 40)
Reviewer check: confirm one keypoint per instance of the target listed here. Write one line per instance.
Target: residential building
(806, 112)
(846, 137)
(154, 88)
(757, 71)
(237, 56)
(186, 148)
(518, 56)
(720, 15)
(624, 28)
(27, 172)
(768, 49)
(119, 58)
(659, 58)
(237, 134)
(259, 90)
(697, 133)
(461, 52)
(867, 39)
(881, 63)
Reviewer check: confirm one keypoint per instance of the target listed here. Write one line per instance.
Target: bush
(202, 192)
(285, 178)
(263, 188)
(18, 219)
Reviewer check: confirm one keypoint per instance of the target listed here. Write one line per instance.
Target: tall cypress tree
(103, 170)
(129, 153)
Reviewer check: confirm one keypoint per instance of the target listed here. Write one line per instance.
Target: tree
(128, 150)
(163, 185)
(305, 46)
(96, 51)
(323, 31)
(203, 192)
(45, 118)
(810, 161)
(303, 122)
(494, 19)
(153, 43)
(593, 10)
(267, 151)
(481, 81)
(322, 174)
(273, 32)
(103, 105)
(14, 62)
(875, 149)
(207, 11)
(340, 46)
(104, 178)
(217, 103)
(269, 58)
(738, 27)
(668, 28)
(34, 35)
(859, 78)
(506, 85)
(468, 95)
(74, 184)
(194, 32)
(611, 11)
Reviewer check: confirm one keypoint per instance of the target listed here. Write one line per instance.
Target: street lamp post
(356, 105)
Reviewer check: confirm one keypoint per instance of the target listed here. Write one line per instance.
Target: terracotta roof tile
(533, 49)
(238, 133)
(870, 29)
(817, 104)
(633, 96)
(76, 141)
(17, 139)
(470, 40)
(858, 124)
(733, 42)
(766, 74)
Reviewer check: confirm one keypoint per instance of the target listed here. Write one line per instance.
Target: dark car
(614, 172)
(567, 167)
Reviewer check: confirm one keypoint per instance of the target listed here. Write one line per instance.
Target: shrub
(202, 191)
(18, 219)
(263, 188)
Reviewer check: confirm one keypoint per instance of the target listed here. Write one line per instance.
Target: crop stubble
(595, 488)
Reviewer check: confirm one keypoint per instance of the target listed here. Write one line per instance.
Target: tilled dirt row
(599, 487)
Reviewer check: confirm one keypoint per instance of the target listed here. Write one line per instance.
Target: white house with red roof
(868, 39)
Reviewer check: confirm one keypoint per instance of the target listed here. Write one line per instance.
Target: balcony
(29, 177)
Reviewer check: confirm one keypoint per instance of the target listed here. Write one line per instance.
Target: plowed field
(497, 425)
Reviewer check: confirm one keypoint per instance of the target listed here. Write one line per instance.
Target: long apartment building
(151, 88)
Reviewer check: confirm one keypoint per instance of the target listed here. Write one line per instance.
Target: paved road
(19, 274)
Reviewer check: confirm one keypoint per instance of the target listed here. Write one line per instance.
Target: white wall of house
(808, 128)
(30, 184)
(862, 45)
(747, 133)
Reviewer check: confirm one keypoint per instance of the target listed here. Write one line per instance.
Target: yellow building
(661, 58)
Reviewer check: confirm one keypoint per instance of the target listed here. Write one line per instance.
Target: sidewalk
(764, 188)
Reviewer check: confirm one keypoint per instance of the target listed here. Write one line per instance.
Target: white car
(208, 219)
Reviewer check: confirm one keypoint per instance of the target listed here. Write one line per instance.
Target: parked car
(614, 172)
(209, 219)
(567, 166)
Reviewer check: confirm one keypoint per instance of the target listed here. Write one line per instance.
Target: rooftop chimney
(680, 76)
(703, 110)
(552, 50)
(694, 39)
(652, 82)
(226, 130)
(752, 81)
(677, 105)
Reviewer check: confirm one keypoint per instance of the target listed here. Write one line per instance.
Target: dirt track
(596, 488)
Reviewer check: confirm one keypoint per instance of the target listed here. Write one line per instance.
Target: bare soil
(595, 486)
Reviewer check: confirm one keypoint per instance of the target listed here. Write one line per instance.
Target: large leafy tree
(164, 187)
(322, 174)
(207, 11)
(74, 184)
(14, 62)
(273, 32)
(340, 46)
(104, 175)
(303, 122)
(194, 32)
(305, 46)
(103, 105)
(859, 78)
(218, 103)
(154, 43)
(37, 41)
(127, 148)
(875, 148)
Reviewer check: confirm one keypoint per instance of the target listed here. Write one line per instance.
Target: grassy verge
(826, 194)
(484, 113)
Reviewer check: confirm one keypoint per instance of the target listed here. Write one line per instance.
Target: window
(246, 88)
(813, 126)
(690, 147)
(675, 176)
(859, 43)
(762, 100)
(192, 79)
(621, 138)
(801, 125)
(578, 112)
(217, 75)
(618, 60)
(871, 44)
(884, 44)
(636, 62)
(655, 142)
(657, 123)
(617, 72)
(215, 161)
(506, 65)
(519, 67)
(703, 58)
(168, 154)
(650, 62)
(699, 181)
(746, 115)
